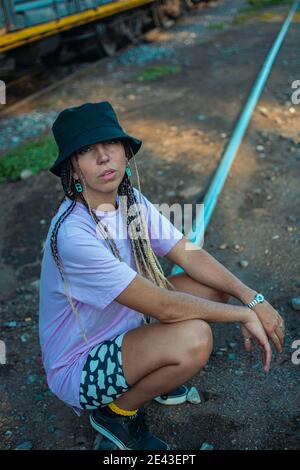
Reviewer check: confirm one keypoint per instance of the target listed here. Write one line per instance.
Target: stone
(223, 246)
(10, 324)
(296, 303)
(206, 446)
(27, 445)
(263, 111)
(201, 117)
(244, 263)
(32, 378)
(257, 190)
(35, 284)
(190, 191)
(25, 337)
(25, 174)
(193, 396)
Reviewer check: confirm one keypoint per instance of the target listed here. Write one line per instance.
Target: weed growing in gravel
(35, 155)
(260, 10)
(157, 71)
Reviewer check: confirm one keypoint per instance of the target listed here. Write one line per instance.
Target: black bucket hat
(84, 125)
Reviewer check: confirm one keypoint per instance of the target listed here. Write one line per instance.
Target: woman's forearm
(182, 306)
(203, 267)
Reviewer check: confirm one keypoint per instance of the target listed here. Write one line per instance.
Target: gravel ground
(184, 121)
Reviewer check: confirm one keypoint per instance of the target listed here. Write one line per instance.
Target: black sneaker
(127, 432)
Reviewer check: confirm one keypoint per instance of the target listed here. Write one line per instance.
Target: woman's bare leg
(183, 349)
(167, 376)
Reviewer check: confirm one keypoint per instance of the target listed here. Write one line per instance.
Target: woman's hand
(252, 329)
(272, 322)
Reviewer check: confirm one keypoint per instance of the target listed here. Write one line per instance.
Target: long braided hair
(147, 263)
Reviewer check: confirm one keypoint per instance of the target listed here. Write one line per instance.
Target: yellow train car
(32, 29)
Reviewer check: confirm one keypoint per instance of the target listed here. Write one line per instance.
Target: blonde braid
(157, 270)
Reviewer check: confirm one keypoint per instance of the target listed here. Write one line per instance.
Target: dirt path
(184, 121)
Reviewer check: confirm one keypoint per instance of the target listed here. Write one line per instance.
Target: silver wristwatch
(257, 300)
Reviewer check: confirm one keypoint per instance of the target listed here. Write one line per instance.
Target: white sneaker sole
(173, 400)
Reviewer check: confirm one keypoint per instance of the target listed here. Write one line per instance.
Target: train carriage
(35, 29)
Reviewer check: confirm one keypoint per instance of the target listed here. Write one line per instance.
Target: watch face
(260, 297)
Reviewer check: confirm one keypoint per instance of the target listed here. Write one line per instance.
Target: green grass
(157, 71)
(261, 10)
(217, 26)
(35, 155)
(267, 3)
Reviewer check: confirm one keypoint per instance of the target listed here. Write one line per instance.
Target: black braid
(63, 216)
(68, 187)
(67, 182)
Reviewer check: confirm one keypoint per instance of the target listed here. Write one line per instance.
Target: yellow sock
(116, 409)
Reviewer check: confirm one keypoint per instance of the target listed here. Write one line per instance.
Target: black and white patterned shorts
(102, 377)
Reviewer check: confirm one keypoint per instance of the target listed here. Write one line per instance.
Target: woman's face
(95, 159)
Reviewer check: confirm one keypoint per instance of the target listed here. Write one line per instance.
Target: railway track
(20, 89)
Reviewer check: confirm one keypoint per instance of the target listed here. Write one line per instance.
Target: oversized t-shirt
(95, 277)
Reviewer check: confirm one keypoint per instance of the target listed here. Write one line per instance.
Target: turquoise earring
(78, 186)
(128, 170)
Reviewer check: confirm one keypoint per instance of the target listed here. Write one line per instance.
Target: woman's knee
(200, 341)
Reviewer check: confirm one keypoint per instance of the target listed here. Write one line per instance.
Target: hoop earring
(78, 186)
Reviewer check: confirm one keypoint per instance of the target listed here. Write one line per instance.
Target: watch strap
(257, 299)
